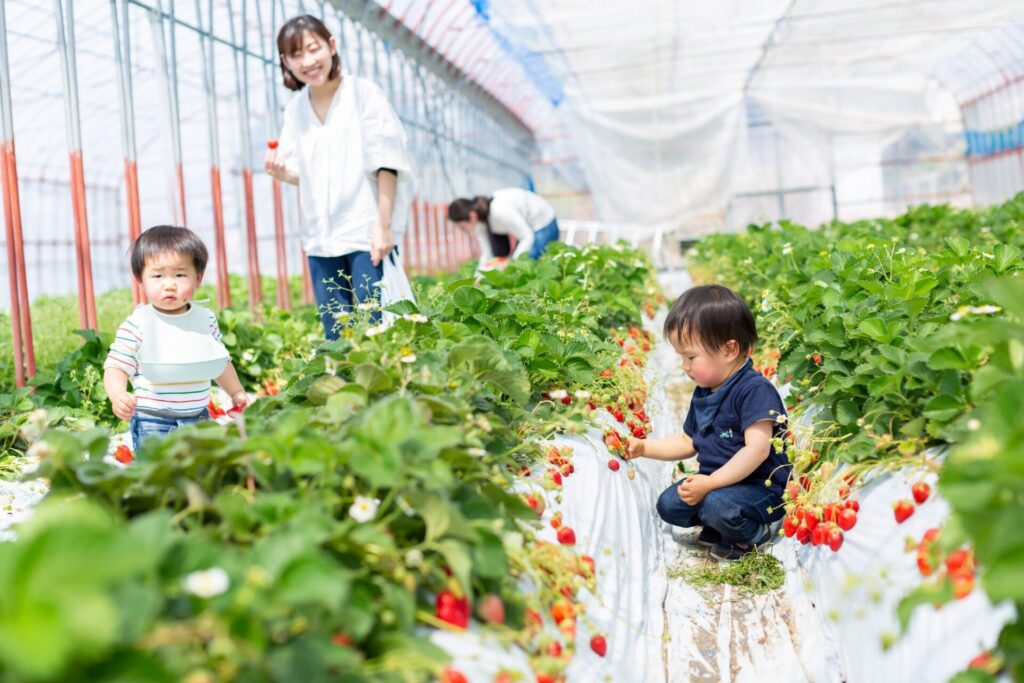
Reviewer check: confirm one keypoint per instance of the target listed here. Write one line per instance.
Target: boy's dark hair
(459, 209)
(289, 40)
(161, 239)
(712, 315)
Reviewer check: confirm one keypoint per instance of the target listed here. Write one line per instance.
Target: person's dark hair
(459, 209)
(712, 315)
(161, 239)
(289, 40)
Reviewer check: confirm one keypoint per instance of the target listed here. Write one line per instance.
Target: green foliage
(380, 475)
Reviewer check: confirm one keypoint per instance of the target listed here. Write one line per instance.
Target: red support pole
(284, 297)
(181, 193)
(28, 348)
(417, 240)
(255, 284)
(223, 287)
(131, 184)
(433, 265)
(307, 282)
(12, 268)
(87, 301)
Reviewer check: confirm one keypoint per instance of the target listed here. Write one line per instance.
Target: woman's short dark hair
(712, 315)
(161, 239)
(459, 209)
(289, 40)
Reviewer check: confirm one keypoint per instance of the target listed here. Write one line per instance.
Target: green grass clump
(755, 574)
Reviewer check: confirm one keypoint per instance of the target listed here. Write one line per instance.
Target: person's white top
(514, 212)
(337, 162)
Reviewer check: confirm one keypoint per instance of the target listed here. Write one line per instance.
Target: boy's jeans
(738, 512)
(142, 425)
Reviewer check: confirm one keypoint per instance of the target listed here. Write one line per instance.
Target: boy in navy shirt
(734, 415)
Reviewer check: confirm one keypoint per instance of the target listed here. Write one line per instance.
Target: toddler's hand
(240, 400)
(635, 448)
(123, 405)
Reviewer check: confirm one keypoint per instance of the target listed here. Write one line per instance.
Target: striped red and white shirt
(177, 398)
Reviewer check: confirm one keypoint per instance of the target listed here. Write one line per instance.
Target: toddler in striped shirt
(171, 347)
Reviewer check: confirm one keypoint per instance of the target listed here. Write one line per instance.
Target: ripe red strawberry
(556, 520)
(214, 410)
(921, 491)
(847, 519)
(617, 414)
(537, 503)
(566, 536)
(811, 518)
(591, 405)
(790, 524)
(613, 465)
(982, 661)
(930, 535)
(599, 645)
(272, 144)
(818, 535)
(853, 504)
(491, 609)
(566, 400)
(835, 538)
(902, 509)
(567, 469)
(123, 454)
(554, 649)
(503, 676)
(452, 610)
(450, 675)
(555, 477)
(639, 432)
(924, 564)
(960, 561)
(803, 533)
(545, 677)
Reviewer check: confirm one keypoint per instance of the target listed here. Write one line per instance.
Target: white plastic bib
(179, 348)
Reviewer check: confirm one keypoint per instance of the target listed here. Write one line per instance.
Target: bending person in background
(508, 212)
(344, 146)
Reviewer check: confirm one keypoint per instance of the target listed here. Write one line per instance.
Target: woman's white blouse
(337, 162)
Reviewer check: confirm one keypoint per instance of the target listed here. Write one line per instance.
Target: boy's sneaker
(736, 551)
(709, 537)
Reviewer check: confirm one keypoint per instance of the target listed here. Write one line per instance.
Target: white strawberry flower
(408, 358)
(974, 424)
(476, 451)
(582, 394)
(415, 317)
(558, 394)
(341, 316)
(364, 508)
(367, 306)
(207, 583)
(374, 330)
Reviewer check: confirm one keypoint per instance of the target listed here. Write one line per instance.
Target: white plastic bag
(394, 287)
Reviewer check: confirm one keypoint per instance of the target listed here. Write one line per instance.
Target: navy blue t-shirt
(748, 398)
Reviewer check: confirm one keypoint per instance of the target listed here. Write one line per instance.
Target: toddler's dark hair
(712, 315)
(161, 239)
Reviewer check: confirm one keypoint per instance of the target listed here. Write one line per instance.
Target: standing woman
(344, 146)
(508, 212)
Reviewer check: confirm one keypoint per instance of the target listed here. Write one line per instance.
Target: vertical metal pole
(213, 142)
(20, 311)
(176, 112)
(131, 172)
(66, 48)
(242, 92)
(168, 74)
(284, 299)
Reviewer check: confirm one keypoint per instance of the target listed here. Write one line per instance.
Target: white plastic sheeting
(657, 93)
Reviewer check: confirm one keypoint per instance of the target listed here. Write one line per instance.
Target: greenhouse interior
(648, 342)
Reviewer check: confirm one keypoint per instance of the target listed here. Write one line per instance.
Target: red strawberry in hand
(272, 144)
(123, 454)
(902, 510)
(599, 645)
(613, 441)
(921, 491)
(566, 536)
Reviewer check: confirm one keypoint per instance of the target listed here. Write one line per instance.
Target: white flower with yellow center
(207, 583)
(558, 394)
(367, 306)
(414, 317)
(364, 509)
(374, 330)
